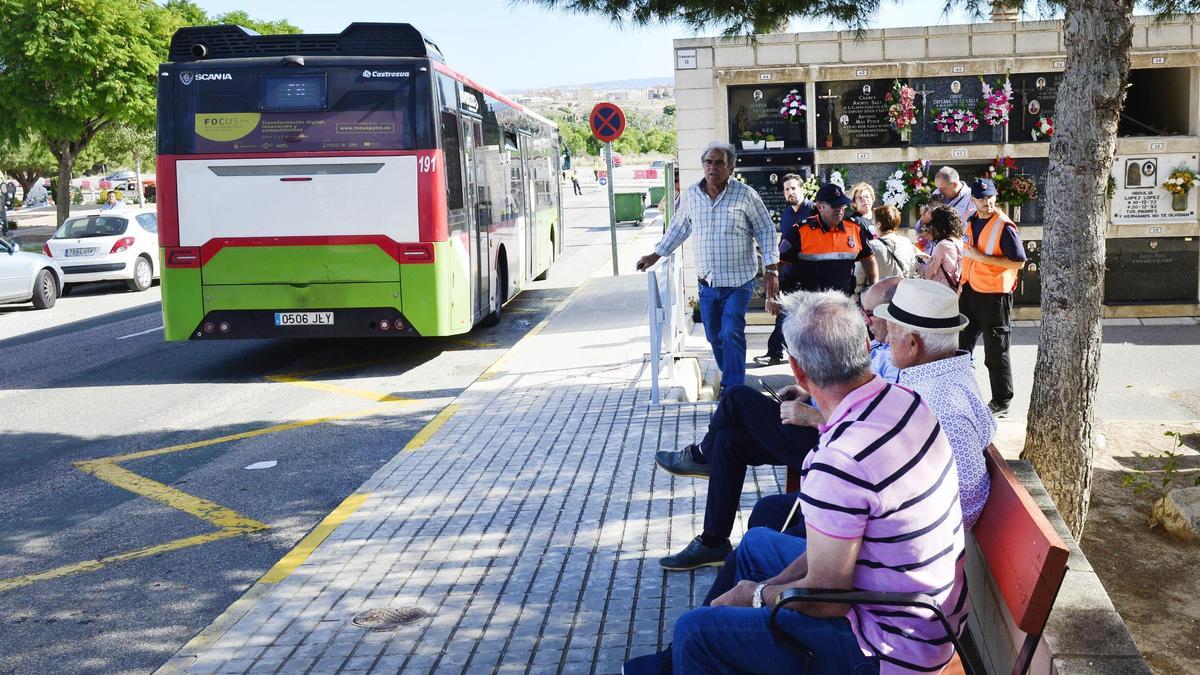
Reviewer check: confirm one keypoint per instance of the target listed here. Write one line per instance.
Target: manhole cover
(387, 618)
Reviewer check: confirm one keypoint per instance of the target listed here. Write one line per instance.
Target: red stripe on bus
(443, 68)
(403, 253)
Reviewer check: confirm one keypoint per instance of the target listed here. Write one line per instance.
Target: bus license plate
(303, 318)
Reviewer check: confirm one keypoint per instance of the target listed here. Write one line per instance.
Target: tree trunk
(62, 194)
(1060, 442)
(26, 179)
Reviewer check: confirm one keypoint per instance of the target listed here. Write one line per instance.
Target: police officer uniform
(987, 293)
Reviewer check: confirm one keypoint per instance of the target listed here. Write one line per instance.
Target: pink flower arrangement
(903, 108)
(997, 102)
(1043, 128)
(792, 109)
(956, 121)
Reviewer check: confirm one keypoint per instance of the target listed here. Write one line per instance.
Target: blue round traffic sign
(607, 122)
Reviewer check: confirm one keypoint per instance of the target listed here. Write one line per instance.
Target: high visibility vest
(986, 277)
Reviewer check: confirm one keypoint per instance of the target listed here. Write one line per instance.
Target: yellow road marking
(430, 429)
(296, 557)
(331, 388)
(287, 426)
(93, 565)
(210, 512)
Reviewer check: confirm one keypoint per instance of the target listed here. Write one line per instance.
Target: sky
(511, 47)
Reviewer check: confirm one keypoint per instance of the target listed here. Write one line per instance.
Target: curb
(187, 655)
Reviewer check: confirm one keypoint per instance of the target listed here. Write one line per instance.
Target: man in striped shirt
(728, 217)
(882, 513)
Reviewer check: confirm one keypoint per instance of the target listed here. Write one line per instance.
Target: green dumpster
(629, 206)
(657, 192)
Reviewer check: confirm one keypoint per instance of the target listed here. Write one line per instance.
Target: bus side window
(452, 149)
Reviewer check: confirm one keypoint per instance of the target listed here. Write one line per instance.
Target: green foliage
(1158, 474)
(120, 145)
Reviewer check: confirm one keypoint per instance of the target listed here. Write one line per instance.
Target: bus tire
(501, 276)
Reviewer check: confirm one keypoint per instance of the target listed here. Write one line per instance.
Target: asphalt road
(92, 379)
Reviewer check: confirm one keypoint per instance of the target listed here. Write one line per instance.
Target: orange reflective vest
(986, 277)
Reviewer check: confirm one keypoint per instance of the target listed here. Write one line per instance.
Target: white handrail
(665, 293)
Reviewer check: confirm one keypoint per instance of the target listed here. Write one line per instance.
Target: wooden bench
(1024, 558)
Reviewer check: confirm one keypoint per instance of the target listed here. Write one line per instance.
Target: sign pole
(607, 122)
(612, 212)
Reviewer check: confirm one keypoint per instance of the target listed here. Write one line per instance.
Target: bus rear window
(292, 110)
(293, 93)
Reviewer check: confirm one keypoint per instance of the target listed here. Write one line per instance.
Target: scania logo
(213, 76)
(185, 78)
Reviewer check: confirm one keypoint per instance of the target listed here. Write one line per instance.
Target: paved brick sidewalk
(529, 524)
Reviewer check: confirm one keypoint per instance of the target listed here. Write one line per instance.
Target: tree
(74, 67)
(241, 18)
(1097, 36)
(669, 110)
(192, 14)
(26, 160)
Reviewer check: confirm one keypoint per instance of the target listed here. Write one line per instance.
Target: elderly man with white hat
(923, 326)
(922, 329)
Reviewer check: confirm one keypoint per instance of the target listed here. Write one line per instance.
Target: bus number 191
(425, 163)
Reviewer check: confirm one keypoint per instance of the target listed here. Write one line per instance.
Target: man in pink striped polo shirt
(882, 513)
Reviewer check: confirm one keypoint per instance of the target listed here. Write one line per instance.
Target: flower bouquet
(997, 102)
(1043, 128)
(1013, 189)
(955, 121)
(1179, 184)
(792, 108)
(903, 109)
(908, 186)
(809, 188)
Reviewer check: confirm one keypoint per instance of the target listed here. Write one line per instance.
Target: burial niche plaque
(756, 122)
(854, 115)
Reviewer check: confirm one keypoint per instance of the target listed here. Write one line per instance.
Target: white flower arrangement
(894, 192)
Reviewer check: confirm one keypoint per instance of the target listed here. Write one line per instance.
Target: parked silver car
(26, 276)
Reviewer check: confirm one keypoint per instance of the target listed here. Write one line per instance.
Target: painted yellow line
(93, 565)
(274, 429)
(296, 557)
(210, 512)
(430, 429)
(331, 388)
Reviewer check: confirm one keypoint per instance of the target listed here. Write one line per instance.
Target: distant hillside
(637, 83)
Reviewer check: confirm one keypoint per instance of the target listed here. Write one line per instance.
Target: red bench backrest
(1024, 554)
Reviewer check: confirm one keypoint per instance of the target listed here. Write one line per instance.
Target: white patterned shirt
(948, 386)
(726, 229)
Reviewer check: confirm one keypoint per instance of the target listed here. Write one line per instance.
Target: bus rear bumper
(357, 322)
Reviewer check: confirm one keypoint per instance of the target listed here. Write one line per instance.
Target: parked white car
(120, 244)
(26, 276)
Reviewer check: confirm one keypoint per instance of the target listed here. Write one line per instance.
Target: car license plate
(80, 252)
(303, 318)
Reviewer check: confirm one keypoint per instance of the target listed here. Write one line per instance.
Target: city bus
(343, 185)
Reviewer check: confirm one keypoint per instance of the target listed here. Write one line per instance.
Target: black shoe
(682, 463)
(695, 556)
(768, 360)
(998, 409)
(650, 664)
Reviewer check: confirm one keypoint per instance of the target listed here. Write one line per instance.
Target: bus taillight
(183, 257)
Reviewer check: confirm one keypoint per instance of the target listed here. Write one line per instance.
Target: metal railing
(665, 292)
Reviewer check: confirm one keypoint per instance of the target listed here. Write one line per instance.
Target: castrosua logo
(368, 73)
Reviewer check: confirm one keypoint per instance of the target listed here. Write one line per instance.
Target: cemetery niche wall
(846, 93)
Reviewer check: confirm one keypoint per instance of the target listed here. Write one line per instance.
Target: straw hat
(924, 305)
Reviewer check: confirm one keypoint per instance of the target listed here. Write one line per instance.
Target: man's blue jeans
(723, 311)
(729, 639)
